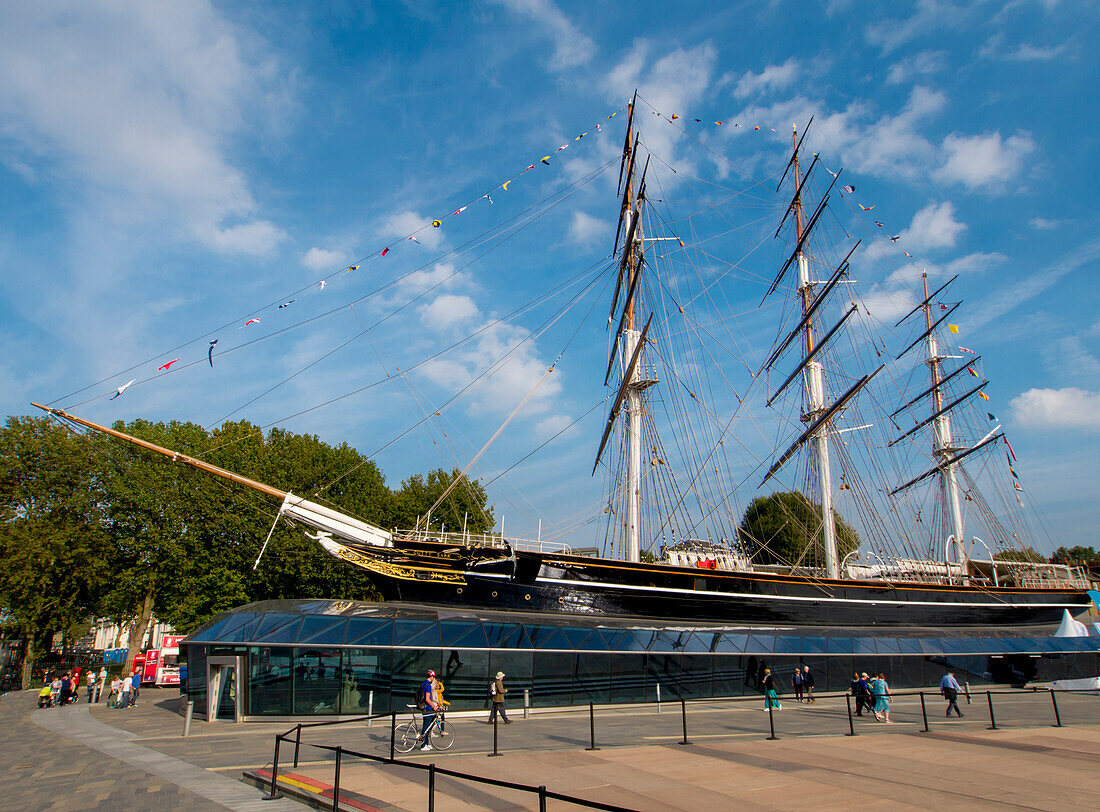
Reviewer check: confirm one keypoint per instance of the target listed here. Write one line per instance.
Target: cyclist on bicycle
(428, 703)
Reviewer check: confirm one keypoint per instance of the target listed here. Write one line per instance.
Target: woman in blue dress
(881, 691)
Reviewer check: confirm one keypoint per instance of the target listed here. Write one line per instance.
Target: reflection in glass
(316, 680)
(269, 681)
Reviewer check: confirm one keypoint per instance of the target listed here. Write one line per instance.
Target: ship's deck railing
(486, 540)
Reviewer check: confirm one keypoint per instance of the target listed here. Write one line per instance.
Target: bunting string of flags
(437, 222)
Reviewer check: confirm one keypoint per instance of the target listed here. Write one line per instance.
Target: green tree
(53, 550)
(1027, 554)
(1075, 555)
(785, 528)
(465, 506)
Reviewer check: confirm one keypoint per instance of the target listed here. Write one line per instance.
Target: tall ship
(672, 548)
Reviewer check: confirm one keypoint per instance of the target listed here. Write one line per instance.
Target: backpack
(493, 688)
(418, 698)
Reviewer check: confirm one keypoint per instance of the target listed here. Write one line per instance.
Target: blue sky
(170, 170)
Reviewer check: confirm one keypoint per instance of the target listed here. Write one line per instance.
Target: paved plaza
(79, 758)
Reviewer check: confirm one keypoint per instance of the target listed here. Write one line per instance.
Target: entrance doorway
(225, 689)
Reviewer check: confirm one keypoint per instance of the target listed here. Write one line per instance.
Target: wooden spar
(622, 320)
(794, 156)
(820, 421)
(627, 378)
(924, 335)
(802, 237)
(793, 334)
(810, 356)
(626, 199)
(942, 381)
(175, 456)
(939, 467)
(938, 412)
(797, 196)
(626, 145)
(927, 299)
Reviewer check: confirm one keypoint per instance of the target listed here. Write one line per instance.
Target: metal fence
(621, 725)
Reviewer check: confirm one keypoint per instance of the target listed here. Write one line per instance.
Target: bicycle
(408, 733)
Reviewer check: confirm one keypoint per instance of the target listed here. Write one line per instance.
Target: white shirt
(116, 685)
(127, 685)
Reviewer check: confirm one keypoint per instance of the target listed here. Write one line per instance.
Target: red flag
(385, 251)
(1010, 451)
(166, 366)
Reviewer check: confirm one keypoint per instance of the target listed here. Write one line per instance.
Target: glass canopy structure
(333, 657)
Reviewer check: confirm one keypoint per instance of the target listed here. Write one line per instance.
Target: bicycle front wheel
(406, 738)
(443, 739)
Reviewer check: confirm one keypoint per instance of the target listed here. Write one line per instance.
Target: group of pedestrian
(124, 691)
(872, 693)
(430, 703)
(62, 690)
(803, 683)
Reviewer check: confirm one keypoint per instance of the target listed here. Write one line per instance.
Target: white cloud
(405, 223)
(258, 238)
(1057, 408)
(974, 263)
(672, 84)
(140, 102)
(448, 310)
(323, 259)
(919, 64)
(442, 274)
(571, 47)
(1076, 360)
(984, 161)
(549, 426)
(934, 226)
(773, 77)
(1043, 224)
(928, 16)
(584, 228)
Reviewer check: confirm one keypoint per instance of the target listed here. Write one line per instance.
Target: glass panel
(761, 643)
(316, 680)
(908, 645)
(812, 645)
(315, 628)
(516, 666)
(592, 682)
(269, 678)
(628, 682)
(864, 645)
(617, 639)
(211, 632)
(365, 632)
(193, 676)
(887, 645)
(269, 624)
(729, 676)
(697, 643)
(695, 674)
(465, 679)
(365, 670)
(787, 645)
(410, 668)
(226, 707)
(733, 643)
(552, 679)
(575, 636)
(283, 633)
(663, 669)
(416, 633)
(463, 634)
(503, 635)
(840, 645)
(554, 639)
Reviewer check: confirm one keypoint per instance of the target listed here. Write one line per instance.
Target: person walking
(91, 685)
(135, 688)
(864, 701)
(950, 688)
(496, 697)
(808, 685)
(124, 693)
(881, 690)
(116, 689)
(427, 703)
(796, 683)
(771, 698)
(854, 691)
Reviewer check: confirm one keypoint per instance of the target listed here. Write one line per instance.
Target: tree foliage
(785, 528)
(90, 525)
(1075, 555)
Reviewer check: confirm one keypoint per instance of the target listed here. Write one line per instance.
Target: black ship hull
(424, 572)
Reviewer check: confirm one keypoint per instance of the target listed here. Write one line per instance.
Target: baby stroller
(44, 696)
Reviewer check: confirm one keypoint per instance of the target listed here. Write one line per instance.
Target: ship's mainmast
(632, 373)
(943, 445)
(814, 384)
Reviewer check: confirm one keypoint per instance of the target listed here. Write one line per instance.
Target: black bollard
(992, 718)
(393, 733)
(297, 743)
(771, 721)
(273, 793)
(1057, 716)
(495, 751)
(591, 728)
(542, 798)
(431, 788)
(336, 782)
(851, 724)
(924, 711)
(684, 718)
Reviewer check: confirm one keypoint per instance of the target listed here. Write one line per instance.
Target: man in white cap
(496, 694)
(428, 705)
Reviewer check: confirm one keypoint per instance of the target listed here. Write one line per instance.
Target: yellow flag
(985, 397)
(504, 186)
(954, 328)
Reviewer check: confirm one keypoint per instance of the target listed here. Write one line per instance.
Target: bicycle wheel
(406, 738)
(443, 739)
